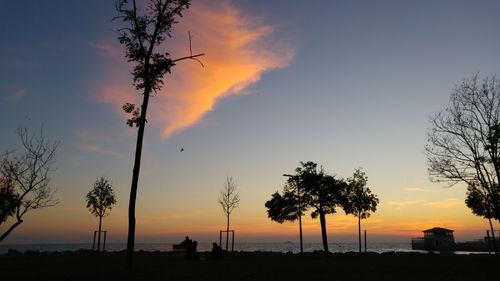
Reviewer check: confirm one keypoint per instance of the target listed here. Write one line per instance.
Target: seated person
(186, 243)
(216, 253)
(191, 251)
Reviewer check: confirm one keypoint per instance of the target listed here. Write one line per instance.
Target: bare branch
(28, 172)
(229, 198)
(464, 143)
(191, 56)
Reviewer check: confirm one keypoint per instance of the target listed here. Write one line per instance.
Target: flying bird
(182, 149)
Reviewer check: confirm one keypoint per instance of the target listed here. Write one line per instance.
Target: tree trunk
(493, 236)
(322, 220)
(135, 181)
(227, 232)
(8, 231)
(99, 235)
(359, 233)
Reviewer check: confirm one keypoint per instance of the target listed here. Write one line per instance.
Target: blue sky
(353, 85)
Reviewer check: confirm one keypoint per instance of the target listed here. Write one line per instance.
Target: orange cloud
(238, 50)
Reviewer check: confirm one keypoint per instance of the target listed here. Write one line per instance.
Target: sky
(345, 84)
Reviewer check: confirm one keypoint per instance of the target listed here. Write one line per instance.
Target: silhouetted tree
(142, 38)
(288, 206)
(99, 202)
(319, 191)
(323, 193)
(481, 206)
(359, 199)
(229, 200)
(25, 178)
(284, 207)
(463, 144)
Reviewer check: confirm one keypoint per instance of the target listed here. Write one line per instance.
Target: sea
(283, 247)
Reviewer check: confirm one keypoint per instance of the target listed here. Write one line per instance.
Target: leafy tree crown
(359, 198)
(101, 198)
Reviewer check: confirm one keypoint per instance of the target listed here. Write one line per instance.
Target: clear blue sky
(358, 90)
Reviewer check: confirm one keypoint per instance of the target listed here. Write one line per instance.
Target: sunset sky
(346, 84)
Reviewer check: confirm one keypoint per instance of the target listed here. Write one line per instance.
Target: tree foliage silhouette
(99, 202)
(480, 206)
(463, 143)
(142, 38)
(229, 199)
(359, 199)
(288, 206)
(283, 206)
(24, 178)
(320, 192)
(8, 199)
(324, 194)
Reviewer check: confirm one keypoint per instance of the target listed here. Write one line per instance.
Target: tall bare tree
(359, 199)
(463, 143)
(25, 175)
(143, 37)
(99, 202)
(229, 199)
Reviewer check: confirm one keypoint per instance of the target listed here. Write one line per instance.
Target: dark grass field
(250, 266)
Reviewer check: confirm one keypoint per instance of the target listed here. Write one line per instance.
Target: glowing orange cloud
(237, 48)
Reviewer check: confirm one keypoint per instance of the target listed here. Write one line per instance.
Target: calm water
(274, 247)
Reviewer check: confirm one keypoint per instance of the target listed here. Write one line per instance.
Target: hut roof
(438, 230)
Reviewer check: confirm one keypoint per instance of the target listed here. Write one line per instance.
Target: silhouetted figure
(186, 243)
(191, 251)
(216, 253)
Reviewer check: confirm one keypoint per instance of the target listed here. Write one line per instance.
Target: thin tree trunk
(227, 232)
(359, 233)
(135, 181)
(493, 236)
(99, 236)
(12, 227)
(322, 220)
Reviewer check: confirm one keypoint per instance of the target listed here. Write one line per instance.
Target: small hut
(435, 239)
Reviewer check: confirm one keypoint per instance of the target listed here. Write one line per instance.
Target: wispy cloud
(238, 50)
(108, 49)
(16, 96)
(405, 203)
(445, 204)
(418, 189)
(91, 141)
(414, 226)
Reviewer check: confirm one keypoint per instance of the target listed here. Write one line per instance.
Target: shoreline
(274, 266)
(84, 251)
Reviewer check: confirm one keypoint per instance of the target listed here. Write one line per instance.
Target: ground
(249, 266)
